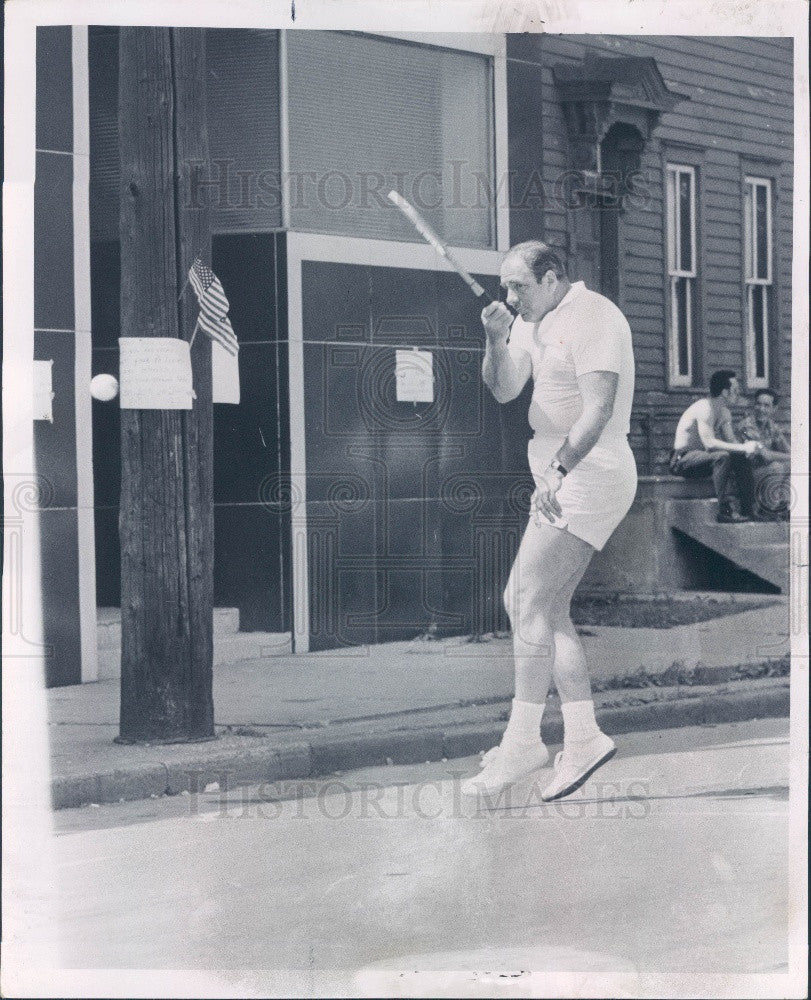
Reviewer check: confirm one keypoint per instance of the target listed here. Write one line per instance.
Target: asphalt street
(671, 860)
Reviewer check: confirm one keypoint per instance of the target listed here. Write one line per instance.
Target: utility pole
(166, 517)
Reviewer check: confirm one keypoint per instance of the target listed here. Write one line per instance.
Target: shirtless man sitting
(705, 445)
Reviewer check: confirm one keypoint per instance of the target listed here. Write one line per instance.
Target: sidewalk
(290, 716)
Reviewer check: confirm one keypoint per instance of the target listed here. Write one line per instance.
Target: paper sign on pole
(224, 374)
(43, 390)
(155, 374)
(415, 376)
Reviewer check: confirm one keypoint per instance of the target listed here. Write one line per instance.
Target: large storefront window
(368, 114)
(242, 180)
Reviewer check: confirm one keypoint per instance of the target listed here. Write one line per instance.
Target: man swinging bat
(576, 346)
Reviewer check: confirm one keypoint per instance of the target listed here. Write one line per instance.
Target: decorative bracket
(604, 91)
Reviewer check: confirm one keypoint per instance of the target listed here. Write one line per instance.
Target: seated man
(770, 465)
(705, 445)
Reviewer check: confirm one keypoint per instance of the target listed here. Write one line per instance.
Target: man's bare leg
(547, 568)
(585, 746)
(570, 668)
(549, 565)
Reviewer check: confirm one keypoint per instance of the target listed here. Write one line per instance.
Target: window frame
(751, 182)
(676, 167)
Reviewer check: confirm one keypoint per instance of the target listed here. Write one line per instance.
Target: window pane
(672, 227)
(370, 114)
(759, 328)
(761, 223)
(748, 233)
(682, 323)
(104, 156)
(243, 129)
(685, 221)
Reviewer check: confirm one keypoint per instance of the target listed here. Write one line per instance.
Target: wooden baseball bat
(431, 237)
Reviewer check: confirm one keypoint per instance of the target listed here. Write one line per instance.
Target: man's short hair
(539, 258)
(721, 380)
(767, 392)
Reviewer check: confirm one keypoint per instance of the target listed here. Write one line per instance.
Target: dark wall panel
(55, 441)
(53, 242)
(340, 422)
(337, 304)
(60, 596)
(54, 98)
(108, 557)
(248, 552)
(105, 293)
(247, 268)
(54, 339)
(390, 484)
(246, 437)
(342, 572)
(403, 306)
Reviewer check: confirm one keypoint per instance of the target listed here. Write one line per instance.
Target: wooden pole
(166, 516)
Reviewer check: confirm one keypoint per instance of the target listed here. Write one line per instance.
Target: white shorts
(597, 494)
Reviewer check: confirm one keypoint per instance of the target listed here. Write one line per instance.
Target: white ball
(104, 387)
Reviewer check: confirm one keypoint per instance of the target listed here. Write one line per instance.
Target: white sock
(579, 723)
(525, 722)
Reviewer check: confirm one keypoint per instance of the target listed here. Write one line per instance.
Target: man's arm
(727, 443)
(504, 372)
(598, 391)
(773, 455)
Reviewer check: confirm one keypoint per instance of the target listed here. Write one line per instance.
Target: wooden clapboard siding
(739, 120)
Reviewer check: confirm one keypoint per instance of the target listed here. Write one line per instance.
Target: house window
(757, 253)
(682, 268)
(368, 114)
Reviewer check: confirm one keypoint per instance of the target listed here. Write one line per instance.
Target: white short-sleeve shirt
(586, 332)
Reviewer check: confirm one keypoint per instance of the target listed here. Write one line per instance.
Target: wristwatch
(557, 467)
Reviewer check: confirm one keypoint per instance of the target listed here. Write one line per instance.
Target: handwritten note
(415, 376)
(155, 374)
(224, 375)
(43, 390)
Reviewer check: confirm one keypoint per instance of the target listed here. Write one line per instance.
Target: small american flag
(213, 319)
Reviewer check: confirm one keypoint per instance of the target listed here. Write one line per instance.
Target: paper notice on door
(155, 374)
(43, 390)
(415, 376)
(224, 374)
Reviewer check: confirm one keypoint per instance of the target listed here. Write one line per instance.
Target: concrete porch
(671, 541)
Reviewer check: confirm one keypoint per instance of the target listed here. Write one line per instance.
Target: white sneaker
(572, 768)
(503, 766)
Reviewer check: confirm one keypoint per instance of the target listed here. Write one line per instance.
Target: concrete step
(230, 645)
(760, 547)
(108, 625)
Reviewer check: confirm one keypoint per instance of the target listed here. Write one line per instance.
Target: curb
(324, 754)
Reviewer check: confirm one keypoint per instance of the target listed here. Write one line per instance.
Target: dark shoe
(728, 515)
